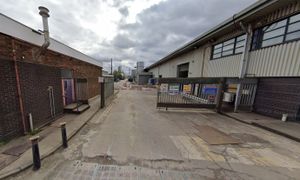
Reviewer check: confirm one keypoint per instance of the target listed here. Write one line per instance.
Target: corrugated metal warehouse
(37, 81)
(262, 42)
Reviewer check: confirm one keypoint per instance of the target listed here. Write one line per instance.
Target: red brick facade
(35, 77)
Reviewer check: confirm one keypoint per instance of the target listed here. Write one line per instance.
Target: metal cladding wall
(276, 96)
(224, 67)
(169, 69)
(279, 60)
(109, 86)
(35, 80)
(10, 116)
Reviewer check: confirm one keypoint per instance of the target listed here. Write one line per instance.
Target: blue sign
(210, 90)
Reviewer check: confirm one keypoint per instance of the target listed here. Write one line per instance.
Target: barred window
(277, 33)
(229, 47)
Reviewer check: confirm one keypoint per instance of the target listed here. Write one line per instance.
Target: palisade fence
(190, 92)
(108, 85)
(205, 92)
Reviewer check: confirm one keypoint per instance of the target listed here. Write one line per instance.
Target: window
(277, 33)
(229, 47)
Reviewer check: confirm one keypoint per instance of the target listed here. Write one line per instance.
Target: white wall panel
(223, 67)
(279, 60)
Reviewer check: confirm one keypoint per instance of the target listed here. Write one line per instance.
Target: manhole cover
(214, 136)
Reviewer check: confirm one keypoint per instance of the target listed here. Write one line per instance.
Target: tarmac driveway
(133, 139)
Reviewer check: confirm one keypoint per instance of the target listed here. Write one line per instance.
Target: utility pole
(111, 67)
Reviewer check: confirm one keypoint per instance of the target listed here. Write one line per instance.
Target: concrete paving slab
(287, 129)
(5, 160)
(18, 149)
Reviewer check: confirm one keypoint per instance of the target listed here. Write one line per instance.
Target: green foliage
(118, 75)
(34, 132)
(3, 142)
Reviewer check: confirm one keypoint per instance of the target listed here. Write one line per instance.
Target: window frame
(235, 41)
(260, 33)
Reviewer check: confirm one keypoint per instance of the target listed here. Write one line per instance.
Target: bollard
(35, 152)
(64, 134)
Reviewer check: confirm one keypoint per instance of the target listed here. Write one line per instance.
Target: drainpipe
(19, 93)
(44, 12)
(244, 62)
(245, 56)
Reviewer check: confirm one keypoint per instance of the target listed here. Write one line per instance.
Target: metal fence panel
(108, 86)
(189, 92)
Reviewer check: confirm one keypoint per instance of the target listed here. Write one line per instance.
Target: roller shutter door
(276, 96)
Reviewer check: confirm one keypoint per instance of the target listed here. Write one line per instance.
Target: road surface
(132, 139)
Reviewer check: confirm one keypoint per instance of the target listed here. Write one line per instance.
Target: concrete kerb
(264, 127)
(53, 150)
(276, 132)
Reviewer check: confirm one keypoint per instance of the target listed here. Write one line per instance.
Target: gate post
(102, 98)
(102, 95)
(222, 87)
(238, 97)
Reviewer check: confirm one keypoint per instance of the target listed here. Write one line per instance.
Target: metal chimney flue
(44, 12)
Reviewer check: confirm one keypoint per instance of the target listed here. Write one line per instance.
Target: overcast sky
(125, 30)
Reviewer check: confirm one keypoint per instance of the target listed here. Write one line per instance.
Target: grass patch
(34, 132)
(3, 142)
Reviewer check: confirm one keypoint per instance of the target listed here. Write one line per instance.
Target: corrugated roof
(203, 37)
(18, 30)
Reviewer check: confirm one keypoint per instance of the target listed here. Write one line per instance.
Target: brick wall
(24, 54)
(35, 80)
(35, 77)
(10, 116)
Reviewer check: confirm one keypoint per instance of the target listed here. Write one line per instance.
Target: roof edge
(240, 15)
(30, 35)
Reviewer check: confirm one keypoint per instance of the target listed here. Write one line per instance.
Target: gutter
(243, 62)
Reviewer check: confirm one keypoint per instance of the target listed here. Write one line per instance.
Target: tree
(118, 75)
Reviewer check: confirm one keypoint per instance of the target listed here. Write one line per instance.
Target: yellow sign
(187, 88)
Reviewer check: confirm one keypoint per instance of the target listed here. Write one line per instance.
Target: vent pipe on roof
(44, 12)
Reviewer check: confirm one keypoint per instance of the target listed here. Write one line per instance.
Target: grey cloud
(123, 42)
(166, 26)
(124, 11)
(159, 29)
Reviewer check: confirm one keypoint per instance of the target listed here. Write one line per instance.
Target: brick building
(40, 86)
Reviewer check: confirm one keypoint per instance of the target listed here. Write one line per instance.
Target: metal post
(222, 87)
(102, 95)
(35, 152)
(111, 66)
(64, 134)
(237, 97)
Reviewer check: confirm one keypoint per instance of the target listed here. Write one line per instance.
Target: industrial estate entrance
(206, 93)
(190, 92)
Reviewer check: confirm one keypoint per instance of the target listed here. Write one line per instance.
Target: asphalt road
(132, 139)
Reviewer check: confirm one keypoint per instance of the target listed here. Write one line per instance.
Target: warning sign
(187, 88)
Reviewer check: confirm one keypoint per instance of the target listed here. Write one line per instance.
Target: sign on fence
(164, 88)
(187, 88)
(210, 90)
(174, 89)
